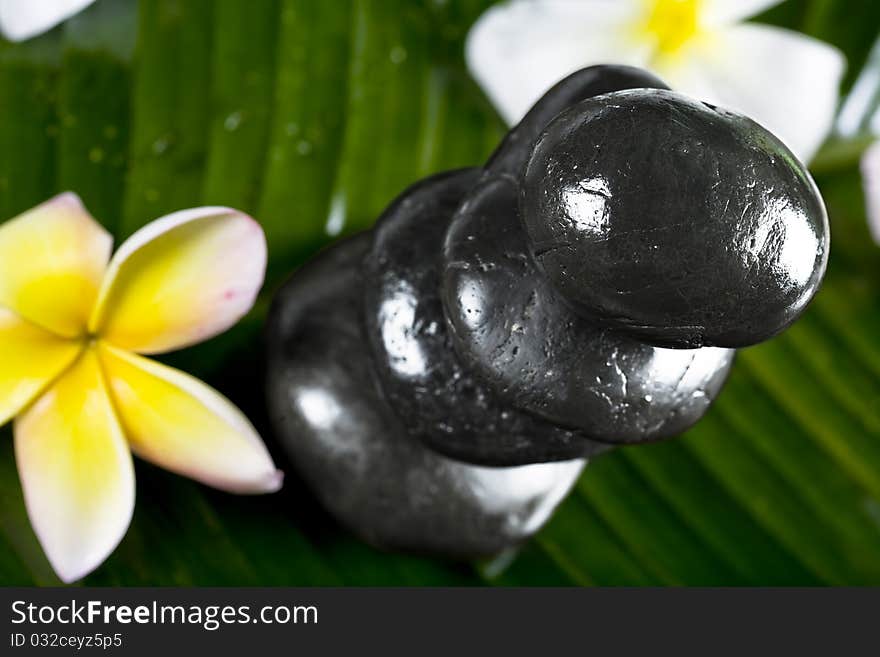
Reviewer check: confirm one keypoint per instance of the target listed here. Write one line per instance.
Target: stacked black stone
(440, 380)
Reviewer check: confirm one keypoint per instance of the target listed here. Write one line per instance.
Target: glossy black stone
(677, 222)
(545, 307)
(512, 327)
(513, 153)
(344, 440)
(436, 395)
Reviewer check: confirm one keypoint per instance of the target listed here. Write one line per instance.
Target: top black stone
(676, 222)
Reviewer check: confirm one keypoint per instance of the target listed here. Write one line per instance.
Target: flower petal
(715, 13)
(23, 19)
(859, 112)
(179, 423)
(181, 279)
(52, 261)
(32, 358)
(784, 80)
(871, 181)
(517, 50)
(76, 471)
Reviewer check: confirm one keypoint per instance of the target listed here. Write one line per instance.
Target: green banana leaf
(312, 116)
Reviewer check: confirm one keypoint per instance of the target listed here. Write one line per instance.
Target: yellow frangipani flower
(74, 324)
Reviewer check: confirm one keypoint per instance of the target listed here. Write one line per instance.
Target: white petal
(723, 12)
(517, 50)
(784, 80)
(76, 471)
(23, 19)
(871, 182)
(859, 111)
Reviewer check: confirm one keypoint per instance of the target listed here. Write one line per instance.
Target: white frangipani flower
(859, 120)
(24, 19)
(784, 80)
(871, 182)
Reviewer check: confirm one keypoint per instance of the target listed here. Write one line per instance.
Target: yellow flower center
(672, 23)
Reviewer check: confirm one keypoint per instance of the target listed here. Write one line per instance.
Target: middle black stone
(439, 400)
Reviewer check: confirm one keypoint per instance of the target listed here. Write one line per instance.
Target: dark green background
(303, 111)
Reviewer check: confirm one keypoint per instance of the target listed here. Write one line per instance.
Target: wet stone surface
(584, 289)
(343, 438)
(436, 395)
(680, 223)
(537, 354)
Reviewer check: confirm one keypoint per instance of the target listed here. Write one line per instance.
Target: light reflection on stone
(585, 204)
(397, 316)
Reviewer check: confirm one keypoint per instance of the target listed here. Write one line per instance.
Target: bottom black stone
(344, 440)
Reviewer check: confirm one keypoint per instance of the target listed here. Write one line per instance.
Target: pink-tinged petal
(52, 262)
(23, 19)
(177, 422)
(32, 358)
(795, 96)
(181, 279)
(871, 182)
(517, 50)
(76, 471)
